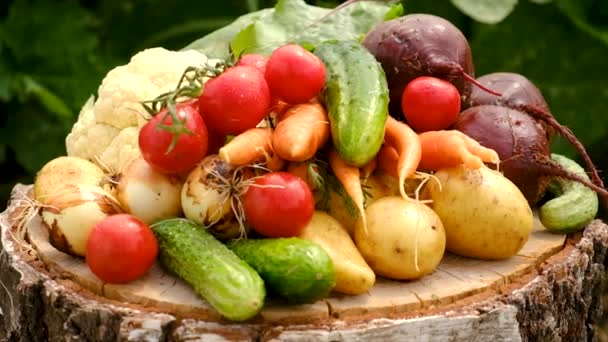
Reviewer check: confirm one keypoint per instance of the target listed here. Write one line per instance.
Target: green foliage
(54, 54)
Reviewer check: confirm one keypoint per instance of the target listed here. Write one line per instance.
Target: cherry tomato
(154, 142)
(236, 100)
(255, 60)
(294, 74)
(121, 248)
(430, 104)
(278, 204)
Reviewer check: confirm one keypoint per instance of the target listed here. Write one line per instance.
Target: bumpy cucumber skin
(574, 206)
(356, 97)
(297, 270)
(218, 275)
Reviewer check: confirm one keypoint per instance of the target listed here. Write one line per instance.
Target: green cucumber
(356, 97)
(295, 269)
(574, 205)
(218, 275)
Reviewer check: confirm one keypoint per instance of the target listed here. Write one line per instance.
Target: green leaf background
(54, 53)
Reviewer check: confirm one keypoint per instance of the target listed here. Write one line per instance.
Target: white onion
(209, 198)
(148, 194)
(71, 213)
(65, 170)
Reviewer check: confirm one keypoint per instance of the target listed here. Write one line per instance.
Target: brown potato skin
(484, 214)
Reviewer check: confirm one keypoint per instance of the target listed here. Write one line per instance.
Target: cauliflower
(106, 131)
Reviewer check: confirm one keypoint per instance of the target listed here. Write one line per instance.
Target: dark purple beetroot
(420, 45)
(522, 146)
(519, 93)
(516, 90)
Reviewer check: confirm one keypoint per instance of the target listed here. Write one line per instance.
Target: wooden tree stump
(550, 291)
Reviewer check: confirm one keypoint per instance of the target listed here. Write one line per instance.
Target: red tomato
(121, 248)
(278, 204)
(154, 142)
(255, 60)
(294, 74)
(430, 104)
(236, 100)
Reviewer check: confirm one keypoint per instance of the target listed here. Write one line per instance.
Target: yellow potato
(404, 239)
(484, 214)
(353, 275)
(376, 186)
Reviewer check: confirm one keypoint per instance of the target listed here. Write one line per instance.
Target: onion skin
(72, 212)
(147, 194)
(204, 203)
(65, 170)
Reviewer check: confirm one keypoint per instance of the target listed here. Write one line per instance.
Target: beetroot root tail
(550, 168)
(479, 85)
(545, 116)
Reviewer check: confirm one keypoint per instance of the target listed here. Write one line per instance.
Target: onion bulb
(65, 170)
(147, 194)
(211, 197)
(71, 213)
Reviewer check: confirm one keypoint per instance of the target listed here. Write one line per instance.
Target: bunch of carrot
(302, 130)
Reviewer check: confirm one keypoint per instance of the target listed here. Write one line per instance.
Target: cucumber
(218, 275)
(295, 269)
(356, 96)
(574, 206)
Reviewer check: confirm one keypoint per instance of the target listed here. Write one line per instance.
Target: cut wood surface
(553, 278)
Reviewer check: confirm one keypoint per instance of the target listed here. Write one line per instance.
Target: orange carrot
(387, 160)
(369, 168)
(405, 141)
(349, 176)
(252, 146)
(447, 148)
(302, 130)
(301, 169)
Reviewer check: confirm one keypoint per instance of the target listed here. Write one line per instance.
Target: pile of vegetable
(311, 167)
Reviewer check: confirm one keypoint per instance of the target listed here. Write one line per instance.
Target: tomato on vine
(174, 146)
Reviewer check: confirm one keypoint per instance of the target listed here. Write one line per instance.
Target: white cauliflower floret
(123, 149)
(86, 130)
(106, 132)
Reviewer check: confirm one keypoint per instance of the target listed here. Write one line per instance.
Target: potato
(353, 275)
(484, 214)
(376, 186)
(405, 239)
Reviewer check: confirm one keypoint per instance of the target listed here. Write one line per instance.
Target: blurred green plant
(54, 54)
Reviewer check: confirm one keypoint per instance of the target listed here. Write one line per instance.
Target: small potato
(404, 239)
(485, 215)
(353, 275)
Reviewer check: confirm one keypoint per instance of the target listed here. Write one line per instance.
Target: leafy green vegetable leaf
(591, 16)
(486, 11)
(50, 101)
(291, 21)
(541, 1)
(217, 43)
(563, 62)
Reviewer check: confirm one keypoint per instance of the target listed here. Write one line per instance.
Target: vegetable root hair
(546, 117)
(550, 168)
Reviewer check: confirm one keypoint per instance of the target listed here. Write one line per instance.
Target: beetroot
(420, 45)
(518, 92)
(522, 146)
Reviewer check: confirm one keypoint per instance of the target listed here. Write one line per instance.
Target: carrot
(447, 148)
(301, 169)
(387, 160)
(407, 144)
(302, 130)
(252, 146)
(349, 176)
(369, 168)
